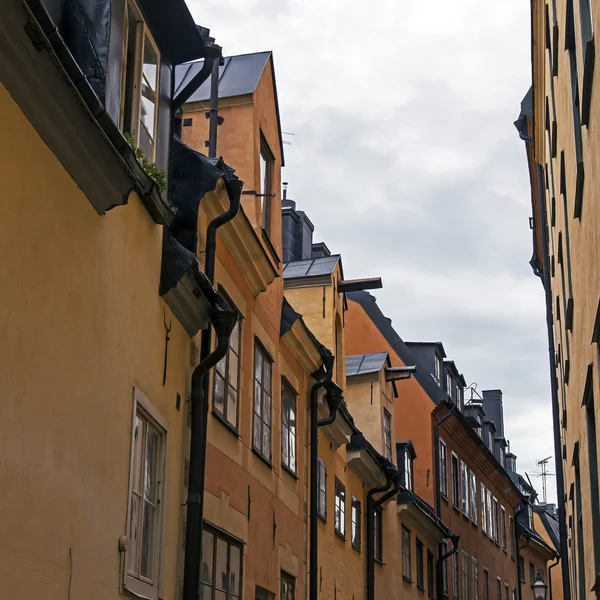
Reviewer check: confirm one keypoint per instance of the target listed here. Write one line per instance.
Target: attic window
(266, 182)
(187, 122)
(438, 369)
(405, 455)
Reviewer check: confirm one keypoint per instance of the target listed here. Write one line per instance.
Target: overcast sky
(406, 160)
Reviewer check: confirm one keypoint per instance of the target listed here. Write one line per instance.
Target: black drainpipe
(393, 479)
(519, 548)
(323, 378)
(439, 568)
(436, 441)
(557, 559)
(213, 112)
(558, 463)
(223, 322)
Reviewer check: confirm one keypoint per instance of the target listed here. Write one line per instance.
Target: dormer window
(405, 454)
(491, 441)
(266, 182)
(530, 516)
(449, 385)
(387, 434)
(438, 369)
(139, 85)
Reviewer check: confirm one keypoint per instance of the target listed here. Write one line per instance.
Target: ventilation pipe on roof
(223, 322)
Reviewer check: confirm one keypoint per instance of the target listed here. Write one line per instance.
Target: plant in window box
(159, 176)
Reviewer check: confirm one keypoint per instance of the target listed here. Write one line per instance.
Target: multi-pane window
(339, 508)
(356, 524)
(430, 575)
(408, 470)
(514, 593)
(495, 527)
(475, 582)
(288, 426)
(226, 384)
(378, 536)
(464, 487)
(521, 569)
(445, 569)
(531, 573)
(221, 572)
(322, 499)
(473, 496)
(503, 525)
(455, 589)
(488, 508)
(288, 587)
(498, 588)
(506, 591)
(438, 369)
(455, 481)
(261, 432)
(406, 554)
(530, 517)
(449, 384)
(443, 469)
(140, 82)
(387, 434)
(465, 575)
(266, 182)
(145, 508)
(483, 511)
(486, 585)
(511, 535)
(419, 561)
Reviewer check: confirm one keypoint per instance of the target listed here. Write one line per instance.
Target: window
(288, 587)
(438, 369)
(530, 516)
(288, 426)
(455, 590)
(266, 182)
(339, 508)
(443, 469)
(521, 569)
(140, 82)
(503, 524)
(473, 493)
(449, 384)
(483, 512)
(486, 584)
(464, 487)
(514, 593)
(465, 575)
(445, 570)
(322, 478)
(378, 536)
(221, 573)
(455, 482)
(356, 524)
(491, 440)
(511, 536)
(430, 575)
(420, 574)
(531, 573)
(495, 519)
(261, 434)
(475, 581)
(145, 493)
(498, 588)
(506, 591)
(406, 561)
(226, 382)
(408, 470)
(488, 507)
(387, 434)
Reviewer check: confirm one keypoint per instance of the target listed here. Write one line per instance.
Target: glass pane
(234, 339)
(256, 432)
(257, 399)
(267, 409)
(257, 365)
(207, 557)
(266, 447)
(147, 558)
(234, 570)
(221, 366)
(148, 107)
(285, 455)
(293, 453)
(263, 174)
(267, 381)
(233, 369)
(220, 595)
(205, 593)
(134, 524)
(221, 560)
(150, 481)
(138, 442)
(219, 397)
(232, 397)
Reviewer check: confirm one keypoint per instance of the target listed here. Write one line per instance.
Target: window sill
(221, 419)
(420, 588)
(140, 589)
(340, 535)
(456, 508)
(379, 562)
(263, 458)
(504, 550)
(407, 579)
(289, 471)
(324, 519)
(355, 547)
(431, 595)
(444, 497)
(475, 524)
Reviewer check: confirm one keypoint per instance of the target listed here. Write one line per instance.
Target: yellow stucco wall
(81, 324)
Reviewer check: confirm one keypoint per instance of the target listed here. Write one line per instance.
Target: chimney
(492, 405)
(297, 231)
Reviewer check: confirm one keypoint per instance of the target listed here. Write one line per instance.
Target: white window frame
(455, 484)
(483, 510)
(387, 434)
(490, 523)
(135, 584)
(473, 496)
(444, 470)
(503, 526)
(464, 488)
(495, 520)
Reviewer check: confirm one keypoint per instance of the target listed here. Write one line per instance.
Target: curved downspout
(557, 559)
(323, 376)
(436, 441)
(439, 566)
(223, 320)
(393, 479)
(558, 463)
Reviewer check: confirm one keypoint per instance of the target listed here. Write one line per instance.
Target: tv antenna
(544, 473)
(287, 142)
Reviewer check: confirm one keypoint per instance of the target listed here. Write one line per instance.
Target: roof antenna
(285, 141)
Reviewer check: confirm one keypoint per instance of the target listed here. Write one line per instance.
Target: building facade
(557, 123)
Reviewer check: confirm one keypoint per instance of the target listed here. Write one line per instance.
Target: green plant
(159, 176)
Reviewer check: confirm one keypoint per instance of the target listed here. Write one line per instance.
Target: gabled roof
(550, 522)
(239, 75)
(361, 364)
(384, 325)
(313, 267)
